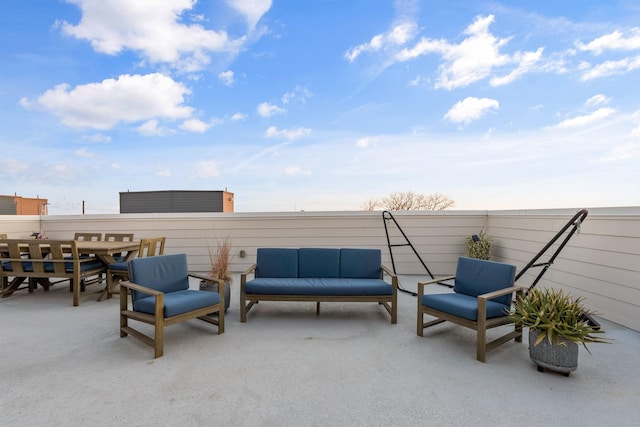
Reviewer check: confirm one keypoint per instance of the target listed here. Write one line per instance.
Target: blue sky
(321, 105)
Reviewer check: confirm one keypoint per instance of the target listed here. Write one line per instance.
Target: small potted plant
(478, 246)
(557, 324)
(220, 258)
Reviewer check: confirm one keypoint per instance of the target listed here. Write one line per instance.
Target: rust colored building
(18, 205)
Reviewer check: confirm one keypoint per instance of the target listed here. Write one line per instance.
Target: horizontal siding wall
(19, 226)
(438, 238)
(602, 263)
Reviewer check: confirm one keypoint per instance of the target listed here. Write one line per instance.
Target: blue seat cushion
(27, 266)
(360, 263)
(462, 305)
(318, 286)
(276, 262)
(477, 276)
(93, 264)
(119, 265)
(319, 262)
(178, 302)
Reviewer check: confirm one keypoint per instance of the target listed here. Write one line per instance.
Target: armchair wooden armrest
(501, 292)
(421, 285)
(135, 287)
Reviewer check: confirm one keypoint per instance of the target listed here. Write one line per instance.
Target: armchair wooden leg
(158, 339)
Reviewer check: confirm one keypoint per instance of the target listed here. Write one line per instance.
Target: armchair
(481, 300)
(160, 296)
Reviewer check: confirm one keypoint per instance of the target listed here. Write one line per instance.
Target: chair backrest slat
(91, 237)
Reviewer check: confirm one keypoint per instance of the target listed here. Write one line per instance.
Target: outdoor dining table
(106, 252)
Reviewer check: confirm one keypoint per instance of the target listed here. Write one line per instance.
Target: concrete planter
(213, 287)
(557, 357)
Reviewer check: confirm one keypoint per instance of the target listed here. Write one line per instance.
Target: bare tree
(410, 201)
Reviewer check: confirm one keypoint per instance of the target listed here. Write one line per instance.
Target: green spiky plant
(557, 316)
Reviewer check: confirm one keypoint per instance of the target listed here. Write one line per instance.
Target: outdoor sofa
(318, 275)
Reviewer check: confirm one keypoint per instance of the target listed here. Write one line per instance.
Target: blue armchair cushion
(476, 277)
(360, 263)
(318, 262)
(178, 302)
(318, 286)
(276, 262)
(165, 273)
(462, 305)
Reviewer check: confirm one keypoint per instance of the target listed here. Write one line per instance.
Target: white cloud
(300, 94)
(613, 41)
(609, 68)
(130, 98)
(295, 170)
(10, 166)
(195, 125)
(226, 77)
(364, 142)
(97, 137)
(151, 128)
(397, 36)
(267, 110)
(207, 169)
(83, 152)
(474, 58)
(253, 10)
(152, 28)
(238, 116)
(526, 62)
(586, 119)
(288, 134)
(597, 100)
(164, 173)
(470, 109)
(626, 151)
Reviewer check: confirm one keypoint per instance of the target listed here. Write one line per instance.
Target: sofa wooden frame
(389, 302)
(39, 261)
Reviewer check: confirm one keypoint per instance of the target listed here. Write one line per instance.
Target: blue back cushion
(360, 263)
(277, 262)
(166, 273)
(476, 277)
(319, 263)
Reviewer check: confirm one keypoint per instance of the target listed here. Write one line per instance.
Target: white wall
(602, 263)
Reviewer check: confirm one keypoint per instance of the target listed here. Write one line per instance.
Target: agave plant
(557, 316)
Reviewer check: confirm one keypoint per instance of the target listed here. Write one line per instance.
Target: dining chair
(88, 236)
(120, 270)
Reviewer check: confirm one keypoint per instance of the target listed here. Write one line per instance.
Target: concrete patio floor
(68, 366)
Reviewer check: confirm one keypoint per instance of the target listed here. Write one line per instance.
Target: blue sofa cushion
(476, 277)
(165, 273)
(318, 287)
(318, 262)
(27, 266)
(360, 263)
(276, 262)
(178, 302)
(462, 305)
